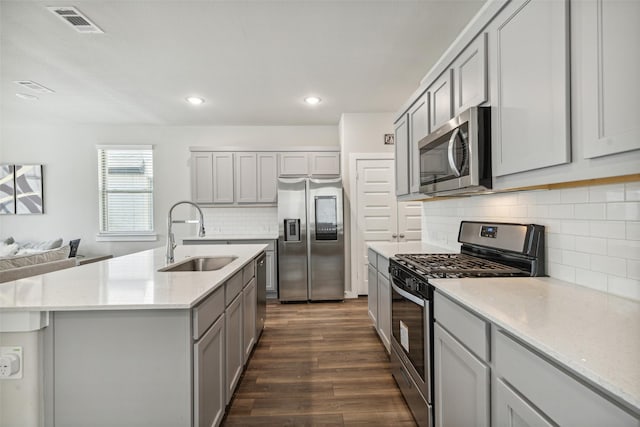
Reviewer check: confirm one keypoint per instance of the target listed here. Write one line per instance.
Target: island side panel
(122, 368)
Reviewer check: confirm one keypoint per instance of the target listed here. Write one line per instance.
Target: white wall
(592, 233)
(69, 157)
(359, 133)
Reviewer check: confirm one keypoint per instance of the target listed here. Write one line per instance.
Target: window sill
(128, 237)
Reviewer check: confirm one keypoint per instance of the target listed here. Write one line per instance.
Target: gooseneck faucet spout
(171, 242)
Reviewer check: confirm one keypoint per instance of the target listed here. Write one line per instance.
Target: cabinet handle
(452, 143)
(394, 235)
(402, 236)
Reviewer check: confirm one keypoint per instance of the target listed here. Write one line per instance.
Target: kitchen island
(120, 343)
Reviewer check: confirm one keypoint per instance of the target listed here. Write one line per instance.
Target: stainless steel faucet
(171, 242)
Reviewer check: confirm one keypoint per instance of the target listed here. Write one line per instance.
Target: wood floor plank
(318, 364)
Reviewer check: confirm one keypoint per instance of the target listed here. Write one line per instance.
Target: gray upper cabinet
(202, 177)
(324, 164)
(470, 76)
(246, 178)
(294, 164)
(531, 105)
(267, 164)
(441, 93)
(222, 177)
(402, 155)
(418, 129)
(609, 63)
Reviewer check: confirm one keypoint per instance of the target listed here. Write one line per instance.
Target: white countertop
(389, 249)
(235, 236)
(125, 283)
(594, 334)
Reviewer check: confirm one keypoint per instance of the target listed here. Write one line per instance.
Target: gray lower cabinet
(209, 377)
(249, 305)
(372, 297)
(234, 345)
(514, 411)
(461, 383)
(384, 310)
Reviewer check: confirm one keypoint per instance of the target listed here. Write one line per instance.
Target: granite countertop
(389, 249)
(234, 236)
(594, 334)
(125, 283)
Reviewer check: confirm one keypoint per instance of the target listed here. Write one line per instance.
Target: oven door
(410, 334)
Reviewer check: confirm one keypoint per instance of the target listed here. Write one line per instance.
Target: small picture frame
(389, 139)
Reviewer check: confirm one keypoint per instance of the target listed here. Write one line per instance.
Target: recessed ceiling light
(27, 96)
(195, 100)
(312, 100)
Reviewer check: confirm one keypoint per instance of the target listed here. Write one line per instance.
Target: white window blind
(126, 189)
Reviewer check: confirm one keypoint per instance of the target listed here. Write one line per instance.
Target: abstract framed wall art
(7, 190)
(28, 189)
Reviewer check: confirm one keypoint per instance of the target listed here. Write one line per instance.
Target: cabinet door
(513, 411)
(402, 156)
(209, 377)
(271, 272)
(461, 384)
(246, 178)
(372, 296)
(202, 177)
(325, 164)
(249, 305)
(384, 310)
(294, 164)
(234, 347)
(470, 76)
(222, 177)
(267, 177)
(609, 65)
(530, 129)
(440, 94)
(418, 129)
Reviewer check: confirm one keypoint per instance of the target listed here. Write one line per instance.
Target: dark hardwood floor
(318, 364)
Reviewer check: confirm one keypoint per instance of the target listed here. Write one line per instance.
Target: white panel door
(376, 211)
(246, 178)
(409, 221)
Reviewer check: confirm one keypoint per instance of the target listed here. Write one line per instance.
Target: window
(125, 175)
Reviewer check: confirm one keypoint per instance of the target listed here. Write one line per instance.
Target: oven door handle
(414, 299)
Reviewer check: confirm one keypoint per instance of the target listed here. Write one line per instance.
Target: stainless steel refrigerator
(311, 240)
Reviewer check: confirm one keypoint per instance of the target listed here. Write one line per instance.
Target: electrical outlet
(10, 363)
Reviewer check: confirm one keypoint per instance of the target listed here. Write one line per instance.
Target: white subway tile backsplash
(590, 211)
(607, 193)
(627, 249)
(610, 229)
(628, 211)
(592, 233)
(628, 288)
(591, 245)
(609, 265)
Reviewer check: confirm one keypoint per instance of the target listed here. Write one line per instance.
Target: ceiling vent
(36, 87)
(77, 20)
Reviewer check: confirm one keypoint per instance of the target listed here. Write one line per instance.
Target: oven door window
(445, 158)
(408, 329)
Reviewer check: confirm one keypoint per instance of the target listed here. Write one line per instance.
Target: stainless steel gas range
(488, 250)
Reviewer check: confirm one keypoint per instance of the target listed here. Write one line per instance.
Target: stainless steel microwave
(456, 157)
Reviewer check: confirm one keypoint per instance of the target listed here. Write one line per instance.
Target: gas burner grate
(457, 265)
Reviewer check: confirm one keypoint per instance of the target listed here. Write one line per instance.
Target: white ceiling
(253, 61)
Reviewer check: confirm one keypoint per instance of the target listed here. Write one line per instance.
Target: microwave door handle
(452, 144)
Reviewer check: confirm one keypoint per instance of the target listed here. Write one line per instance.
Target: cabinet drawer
(468, 328)
(383, 266)
(248, 271)
(233, 287)
(205, 313)
(561, 397)
(373, 258)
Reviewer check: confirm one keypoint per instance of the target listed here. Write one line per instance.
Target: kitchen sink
(204, 263)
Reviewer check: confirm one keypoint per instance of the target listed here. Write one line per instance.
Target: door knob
(402, 236)
(394, 235)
